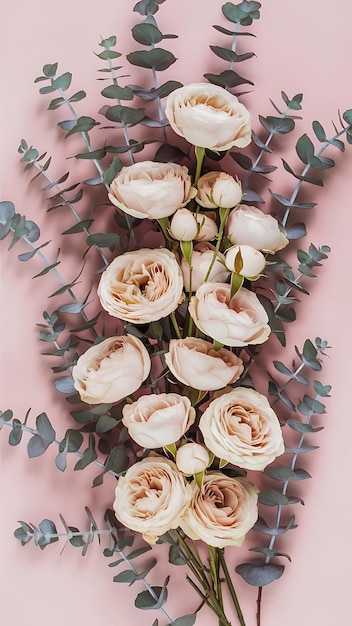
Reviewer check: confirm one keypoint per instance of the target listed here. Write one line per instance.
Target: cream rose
(202, 255)
(156, 420)
(218, 189)
(249, 225)
(183, 225)
(196, 363)
(242, 428)
(208, 116)
(239, 321)
(141, 286)
(192, 458)
(253, 261)
(152, 497)
(111, 369)
(151, 190)
(222, 511)
(208, 228)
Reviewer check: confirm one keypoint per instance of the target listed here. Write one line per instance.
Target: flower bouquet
(170, 341)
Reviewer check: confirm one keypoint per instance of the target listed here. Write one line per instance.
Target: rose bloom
(141, 286)
(157, 420)
(152, 497)
(192, 458)
(217, 189)
(151, 190)
(253, 261)
(208, 116)
(111, 369)
(222, 511)
(249, 225)
(239, 321)
(196, 363)
(242, 428)
(202, 255)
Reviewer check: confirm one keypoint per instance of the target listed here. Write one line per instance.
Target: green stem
(175, 325)
(231, 587)
(200, 152)
(223, 218)
(197, 567)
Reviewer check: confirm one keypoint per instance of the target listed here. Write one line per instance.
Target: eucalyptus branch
(52, 267)
(287, 481)
(123, 124)
(46, 534)
(35, 432)
(68, 203)
(84, 135)
(306, 169)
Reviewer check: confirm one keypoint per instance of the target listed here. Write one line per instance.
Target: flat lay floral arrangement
(193, 262)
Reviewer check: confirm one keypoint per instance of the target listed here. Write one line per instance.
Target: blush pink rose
(222, 511)
(249, 225)
(156, 420)
(208, 116)
(111, 369)
(152, 497)
(242, 428)
(151, 190)
(196, 363)
(237, 321)
(141, 286)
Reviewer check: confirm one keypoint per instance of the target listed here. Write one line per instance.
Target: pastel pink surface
(298, 49)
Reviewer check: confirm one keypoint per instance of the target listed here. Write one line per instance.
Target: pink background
(300, 47)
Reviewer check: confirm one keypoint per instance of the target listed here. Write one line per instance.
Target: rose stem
(231, 587)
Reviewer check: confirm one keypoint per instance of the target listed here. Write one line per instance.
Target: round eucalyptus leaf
(260, 574)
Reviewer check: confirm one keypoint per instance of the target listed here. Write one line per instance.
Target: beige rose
(151, 190)
(196, 363)
(208, 228)
(202, 255)
(253, 261)
(152, 497)
(141, 286)
(239, 321)
(222, 511)
(208, 116)
(156, 420)
(183, 225)
(242, 428)
(192, 458)
(111, 369)
(249, 225)
(218, 189)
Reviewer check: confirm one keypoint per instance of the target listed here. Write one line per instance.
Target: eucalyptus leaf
(157, 59)
(147, 601)
(260, 574)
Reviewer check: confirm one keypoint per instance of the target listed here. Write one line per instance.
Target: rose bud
(208, 228)
(183, 226)
(226, 192)
(218, 189)
(192, 458)
(252, 261)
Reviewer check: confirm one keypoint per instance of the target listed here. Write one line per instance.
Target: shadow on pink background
(300, 47)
